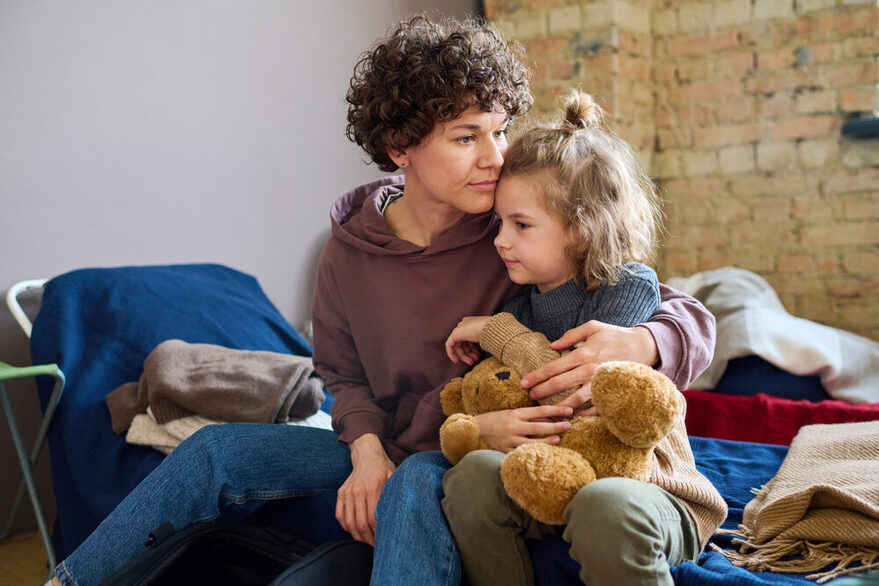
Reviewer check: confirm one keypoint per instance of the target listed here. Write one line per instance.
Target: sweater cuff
(498, 331)
(515, 345)
(354, 425)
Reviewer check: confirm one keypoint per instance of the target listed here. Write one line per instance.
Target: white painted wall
(177, 131)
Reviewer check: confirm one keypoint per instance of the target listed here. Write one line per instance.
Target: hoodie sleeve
(685, 333)
(355, 409)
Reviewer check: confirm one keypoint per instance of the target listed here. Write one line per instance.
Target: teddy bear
(637, 408)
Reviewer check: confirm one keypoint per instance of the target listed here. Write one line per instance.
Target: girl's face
(459, 162)
(531, 241)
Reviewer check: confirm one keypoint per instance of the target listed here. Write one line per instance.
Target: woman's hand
(598, 342)
(358, 496)
(461, 345)
(507, 430)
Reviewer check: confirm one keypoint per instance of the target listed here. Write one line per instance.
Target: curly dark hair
(427, 71)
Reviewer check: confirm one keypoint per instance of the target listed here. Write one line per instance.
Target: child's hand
(507, 430)
(461, 344)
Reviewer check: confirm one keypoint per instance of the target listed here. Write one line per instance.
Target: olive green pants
(621, 531)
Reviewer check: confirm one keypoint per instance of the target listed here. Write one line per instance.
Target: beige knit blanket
(821, 508)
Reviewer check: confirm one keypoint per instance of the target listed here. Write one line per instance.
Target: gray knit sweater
(630, 302)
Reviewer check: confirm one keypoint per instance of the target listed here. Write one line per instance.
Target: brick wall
(736, 107)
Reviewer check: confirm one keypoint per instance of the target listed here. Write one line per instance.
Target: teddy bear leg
(542, 479)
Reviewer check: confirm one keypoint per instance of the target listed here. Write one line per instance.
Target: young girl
(577, 214)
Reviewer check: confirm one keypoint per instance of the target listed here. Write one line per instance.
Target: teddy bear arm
(459, 435)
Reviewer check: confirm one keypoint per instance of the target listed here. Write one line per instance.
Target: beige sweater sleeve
(519, 348)
(514, 344)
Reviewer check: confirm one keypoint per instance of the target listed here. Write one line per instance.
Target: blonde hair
(592, 181)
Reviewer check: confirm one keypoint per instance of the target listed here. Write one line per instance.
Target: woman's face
(459, 162)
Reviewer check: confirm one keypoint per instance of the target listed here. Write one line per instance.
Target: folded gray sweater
(181, 379)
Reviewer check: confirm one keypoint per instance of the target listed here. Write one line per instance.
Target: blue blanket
(100, 324)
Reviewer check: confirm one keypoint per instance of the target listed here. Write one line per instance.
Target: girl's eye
(522, 225)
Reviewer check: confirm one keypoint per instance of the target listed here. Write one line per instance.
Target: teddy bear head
(489, 386)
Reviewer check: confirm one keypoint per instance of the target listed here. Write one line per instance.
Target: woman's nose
(493, 154)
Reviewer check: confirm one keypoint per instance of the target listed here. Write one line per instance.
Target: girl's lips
(484, 185)
(510, 263)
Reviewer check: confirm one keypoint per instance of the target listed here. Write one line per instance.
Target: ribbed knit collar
(563, 299)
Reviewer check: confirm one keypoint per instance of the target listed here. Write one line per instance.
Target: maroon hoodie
(384, 307)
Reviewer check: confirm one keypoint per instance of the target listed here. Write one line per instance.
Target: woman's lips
(484, 185)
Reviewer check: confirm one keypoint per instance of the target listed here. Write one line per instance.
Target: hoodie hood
(357, 221)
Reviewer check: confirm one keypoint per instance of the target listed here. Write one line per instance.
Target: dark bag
(202, 553)
(339, 563)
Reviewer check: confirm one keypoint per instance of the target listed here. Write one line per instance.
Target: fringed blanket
(821, 508)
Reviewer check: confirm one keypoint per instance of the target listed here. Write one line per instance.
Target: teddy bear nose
(505, 375)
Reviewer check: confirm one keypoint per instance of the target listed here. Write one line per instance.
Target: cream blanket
(752, 320)
(164, 437)
(822, 507)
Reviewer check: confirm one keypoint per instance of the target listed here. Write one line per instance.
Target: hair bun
(581, 111)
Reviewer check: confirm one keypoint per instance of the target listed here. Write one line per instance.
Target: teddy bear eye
(505, 375)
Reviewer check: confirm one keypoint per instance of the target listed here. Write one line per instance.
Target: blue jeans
(413, 542)
(227, 473)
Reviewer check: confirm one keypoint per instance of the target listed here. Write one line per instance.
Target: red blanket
(763, 418)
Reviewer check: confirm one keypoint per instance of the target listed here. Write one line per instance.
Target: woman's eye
(465, 139)
(500, 133)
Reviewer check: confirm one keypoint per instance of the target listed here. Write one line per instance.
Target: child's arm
(463, 343)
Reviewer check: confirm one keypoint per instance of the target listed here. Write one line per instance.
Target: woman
(406, 260)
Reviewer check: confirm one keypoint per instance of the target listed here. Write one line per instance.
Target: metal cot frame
(28, 461)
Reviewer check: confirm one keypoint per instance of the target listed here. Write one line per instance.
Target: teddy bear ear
(451, 396)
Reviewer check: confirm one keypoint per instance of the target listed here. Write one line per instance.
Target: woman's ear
(400, 158)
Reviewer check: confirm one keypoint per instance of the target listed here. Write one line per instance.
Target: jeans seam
(451, 547)
(62, 575)
(268, 495)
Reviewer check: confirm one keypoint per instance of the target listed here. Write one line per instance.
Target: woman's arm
(355, 410)
(359, 494)
(678, 341)
(357, 417)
